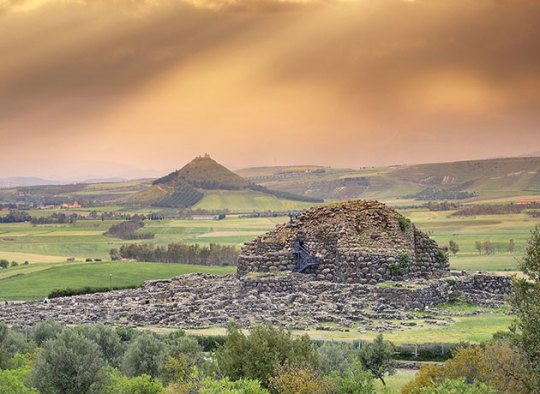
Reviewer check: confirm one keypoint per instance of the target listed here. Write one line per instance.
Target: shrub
(256, 356)
(458, 386)
(226, 386)
(12, 381)
(69, 364)
(441, 256)
(4, 263)
(145, 355)
(46, 330)
(108, 341)
(299, 380)
(334, 357)
(14, 264)
(404, 223)
(354, 380)
(210, 343)
(394, 269)
(121, 384)
(404, 261)
(56, 293)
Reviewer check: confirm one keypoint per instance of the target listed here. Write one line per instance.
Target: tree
(43, 331)
(108, 341)
(334, 357)
(511, 246)
(488, 247)
(12, 381)
(478, 246)
(69, 364)
(376, 357)
(525, 300)
(453, 246)
(145, 355)
(258, 355)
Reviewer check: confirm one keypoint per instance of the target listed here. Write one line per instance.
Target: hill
(477, 179)
(203, 183)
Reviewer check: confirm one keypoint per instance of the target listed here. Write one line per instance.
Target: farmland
(47, 247)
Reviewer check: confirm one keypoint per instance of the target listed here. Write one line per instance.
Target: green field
(30, 285)
(246, 201)
(45, 246)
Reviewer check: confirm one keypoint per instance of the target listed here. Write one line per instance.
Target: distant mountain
(26, 181)
(104, 180)
(532, 154)
(202, 177)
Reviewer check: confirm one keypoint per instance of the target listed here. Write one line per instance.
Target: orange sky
(134, 88)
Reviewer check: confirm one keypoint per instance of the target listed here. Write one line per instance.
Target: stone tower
(351, 242)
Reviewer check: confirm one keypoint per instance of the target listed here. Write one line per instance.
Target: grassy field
(30, 284)
(498, 229)
(246, 201)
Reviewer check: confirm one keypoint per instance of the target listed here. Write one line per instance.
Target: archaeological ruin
(357, 265)
(349, 242)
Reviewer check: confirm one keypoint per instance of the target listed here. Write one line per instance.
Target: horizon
(113, 179)
(138, 87)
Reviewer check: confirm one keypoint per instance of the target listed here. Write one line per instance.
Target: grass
(38, 284)
(246, 201)
(473, 329)
(498, 229)
(395, 382)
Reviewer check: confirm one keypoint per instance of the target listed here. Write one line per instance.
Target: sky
(135, 88)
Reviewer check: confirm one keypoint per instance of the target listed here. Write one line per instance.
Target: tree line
(178, 252)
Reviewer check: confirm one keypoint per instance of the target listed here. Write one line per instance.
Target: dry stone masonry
(374, 268)
(354, 242)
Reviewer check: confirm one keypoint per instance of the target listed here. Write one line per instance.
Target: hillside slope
(483, 179)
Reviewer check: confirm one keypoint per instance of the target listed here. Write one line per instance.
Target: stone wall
(482, 289)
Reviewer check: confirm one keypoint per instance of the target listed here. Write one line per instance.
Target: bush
(256, 356)
(404, 261)
(12, 381)
(120, 384)
(353, 380)
(299, 380)
(210, 343)
(46, 330)
(145, 355)
(108, 341)
(69, 364)
(404, 223)
(226, 386)
(334, 357)
(458, 386)
(4, 263)
(14, 264)
(56, 293)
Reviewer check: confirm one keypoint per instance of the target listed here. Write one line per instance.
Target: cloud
(180, 74)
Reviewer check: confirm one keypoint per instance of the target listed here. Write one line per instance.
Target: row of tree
(128, 230)
(486, 247)
(179, 252)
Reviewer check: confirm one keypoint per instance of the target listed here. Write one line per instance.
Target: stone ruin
(348, 242)
(353, 265)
